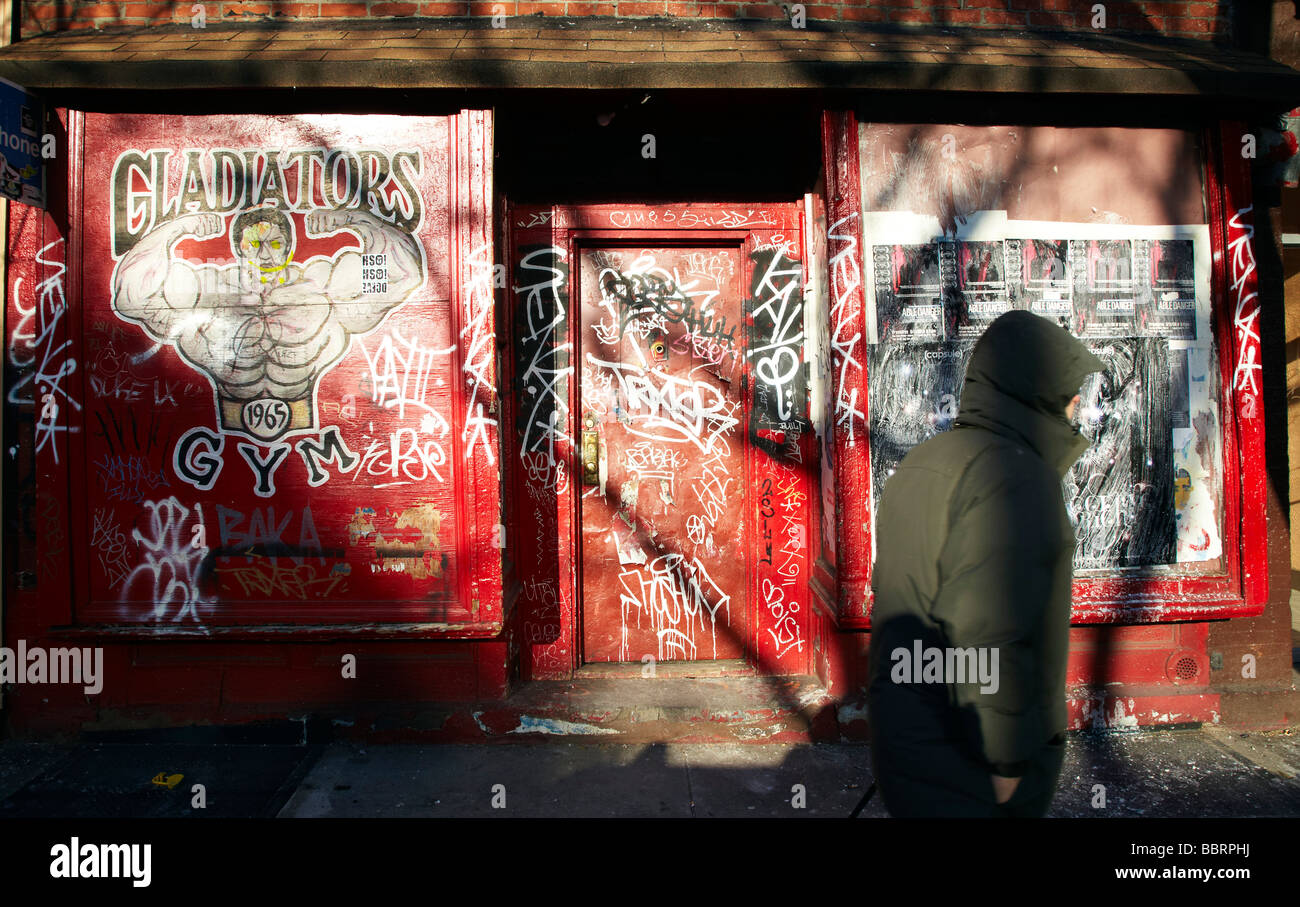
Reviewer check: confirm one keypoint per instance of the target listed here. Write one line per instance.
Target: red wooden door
(662, 420)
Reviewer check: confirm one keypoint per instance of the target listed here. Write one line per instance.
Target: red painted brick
(491, 9)
(580, 9)
(911, 4)
(99, 11)
(641, 9)
(1137, 23)
(1190, 26)
(986, 4)
(910, 15)
(864, 14)
(160, 11)
(1165, 8)
(442, 9)
(1058, 19)
(297, 10)
(546, 9)
(43, 12)
(344, 10)
(992, 17)
(246, 9)
(962, 16)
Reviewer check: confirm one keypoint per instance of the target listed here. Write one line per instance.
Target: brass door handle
(590, 451)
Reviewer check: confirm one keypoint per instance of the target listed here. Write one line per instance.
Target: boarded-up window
(287, 372)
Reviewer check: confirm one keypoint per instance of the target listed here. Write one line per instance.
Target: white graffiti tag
(846, 315)
(711, 488)
(785, 634)
(780, 312)
(401, 373)
(35, 351)
(546, 368)
(109, 542)
(674, 598)
(479, 341)
(666, 408)
(174, 550)
(1246, 314)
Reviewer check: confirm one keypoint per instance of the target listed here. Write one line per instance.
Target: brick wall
(1197, 19)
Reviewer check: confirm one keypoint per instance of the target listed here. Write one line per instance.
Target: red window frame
(1242, 589)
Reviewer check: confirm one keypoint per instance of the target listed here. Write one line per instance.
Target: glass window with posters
(1102, 230)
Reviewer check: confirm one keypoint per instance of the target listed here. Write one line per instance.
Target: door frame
(544, 653)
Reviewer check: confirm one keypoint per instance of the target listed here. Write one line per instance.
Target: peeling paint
(759, 733)
(420, 559)
(531, 725)
(850, 713)
(812, 697)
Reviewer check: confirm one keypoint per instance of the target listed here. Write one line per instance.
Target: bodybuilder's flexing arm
(159, 291)
(358, 312)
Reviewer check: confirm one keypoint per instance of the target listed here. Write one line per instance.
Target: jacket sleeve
(998, 566)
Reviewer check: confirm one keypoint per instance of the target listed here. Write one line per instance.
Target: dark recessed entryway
(574, 148)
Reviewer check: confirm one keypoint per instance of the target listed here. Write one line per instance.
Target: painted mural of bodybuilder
(266, 327)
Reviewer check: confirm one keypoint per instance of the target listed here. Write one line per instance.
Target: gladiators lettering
(150, 187)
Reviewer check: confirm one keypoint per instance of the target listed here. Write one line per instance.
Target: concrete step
(666, 709)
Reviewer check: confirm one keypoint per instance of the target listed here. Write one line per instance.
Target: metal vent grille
(1184, 666)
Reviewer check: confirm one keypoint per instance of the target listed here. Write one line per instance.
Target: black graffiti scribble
(641, 295)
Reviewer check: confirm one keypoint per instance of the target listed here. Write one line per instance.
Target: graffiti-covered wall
(274, 398)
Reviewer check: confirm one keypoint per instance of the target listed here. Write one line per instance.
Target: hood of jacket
(1022, 374)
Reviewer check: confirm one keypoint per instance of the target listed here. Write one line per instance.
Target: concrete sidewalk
(1207, 772)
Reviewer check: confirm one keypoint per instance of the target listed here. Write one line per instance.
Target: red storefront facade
(310, 417)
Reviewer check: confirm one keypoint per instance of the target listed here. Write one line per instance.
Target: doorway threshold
(723, 667)
(718, 709)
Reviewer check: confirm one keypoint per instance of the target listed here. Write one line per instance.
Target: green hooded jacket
(974, 550)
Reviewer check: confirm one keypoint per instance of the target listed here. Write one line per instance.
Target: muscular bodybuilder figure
(266, 327)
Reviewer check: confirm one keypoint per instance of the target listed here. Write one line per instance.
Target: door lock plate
(590, 452)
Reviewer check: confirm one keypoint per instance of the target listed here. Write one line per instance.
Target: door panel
(661, 354)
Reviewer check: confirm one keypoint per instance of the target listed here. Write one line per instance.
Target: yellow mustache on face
(274, 268)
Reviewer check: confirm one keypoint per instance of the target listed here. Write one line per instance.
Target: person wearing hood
(971, 614)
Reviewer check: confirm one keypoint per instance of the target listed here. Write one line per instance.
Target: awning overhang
(656, 54)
